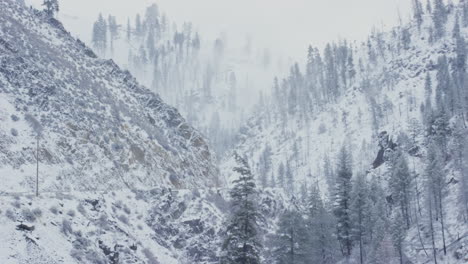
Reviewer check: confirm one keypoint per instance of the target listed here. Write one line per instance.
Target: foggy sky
(285, 26)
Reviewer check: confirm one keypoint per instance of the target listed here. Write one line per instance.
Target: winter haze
(287, 27)
(233, 131)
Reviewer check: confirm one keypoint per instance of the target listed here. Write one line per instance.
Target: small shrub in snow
(103, 222)
(119, 204)
(150, 256)
(37, 212)
(81, 209)
(127, 210)
(77, 254)
(28, 215)
(95, 257)
(16, 204)
(322, 128)
(139, 227)
(54, 210)
(14, 132)
(66, 227)
(14, 118)
(71, 213)
(123, 219)
(10, 215)
(139, 196)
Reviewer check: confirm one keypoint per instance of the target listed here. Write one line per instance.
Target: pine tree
(439, 17)
(99, 38)
(459, 72)
(242, 245)
(436, 181)
(138, 26)
(289, 178)
(360, 212)
(324, 246)
(342, 201)
(51, 7)
(378, 222)
(265, 165)
(113, 31)
(129, 30)
(418, 13)
(280, 177)
(444, 93)
(400, 185)
(428, 99)
(398, 233)
(292, 239)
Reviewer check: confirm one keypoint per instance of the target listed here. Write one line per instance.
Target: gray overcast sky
(285, 26)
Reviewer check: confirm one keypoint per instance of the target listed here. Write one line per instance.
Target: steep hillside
(98, 128)
(374, 99)
(213, 82)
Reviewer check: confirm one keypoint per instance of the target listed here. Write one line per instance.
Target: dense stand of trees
(369, 215)
(168, 59)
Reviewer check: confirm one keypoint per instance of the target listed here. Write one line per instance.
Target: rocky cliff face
(97, 127)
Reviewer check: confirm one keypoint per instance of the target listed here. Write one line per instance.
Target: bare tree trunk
(432, 231)
(37, 166)
(442, 220)
(419, 233)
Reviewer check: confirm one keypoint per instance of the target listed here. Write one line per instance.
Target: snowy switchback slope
(98, 127)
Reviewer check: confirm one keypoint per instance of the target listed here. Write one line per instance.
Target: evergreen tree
(265, 165)
(439, 17)
(324, 246)
(360, 212)
(292, 239)
(280, 177)
(398, 233)
(444, 93)
(99, 38)
(289, 178)
(342, 201)
(459, 72)
(428, 98)
(51, 7)
(113, 31)
(151, 44)
(129, 30)
(242, 245)
(436, 185)
(400, 185)
(418, 13)
(138, 26)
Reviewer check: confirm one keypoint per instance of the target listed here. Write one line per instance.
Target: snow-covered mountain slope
(98, 127)
(383, 100)
(213, 82)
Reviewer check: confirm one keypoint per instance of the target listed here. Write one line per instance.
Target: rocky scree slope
(98, 127)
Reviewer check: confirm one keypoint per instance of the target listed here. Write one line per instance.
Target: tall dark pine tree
(342, 202)
(51, 7)
(418, 13)
(99, 37)
(113, 31)
(439, 17)
(360, 212)
(292, 240)
(400, 185)
(241, 245)
(321, 224)
(436, 185)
